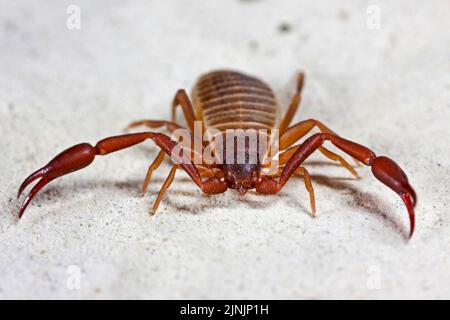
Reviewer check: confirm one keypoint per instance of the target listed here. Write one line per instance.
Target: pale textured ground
(388, 89)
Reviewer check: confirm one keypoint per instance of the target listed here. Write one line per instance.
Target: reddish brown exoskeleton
(228, 100)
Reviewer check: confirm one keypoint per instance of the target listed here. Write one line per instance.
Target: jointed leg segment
(308, 185)
(153, 124)
(164, 188)
(294, 104)
(182, 99)
(300, 171)
(298, 131)
(155, 165)
(171, 127)
(285, 156)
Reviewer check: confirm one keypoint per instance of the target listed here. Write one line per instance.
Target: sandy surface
(89, 235)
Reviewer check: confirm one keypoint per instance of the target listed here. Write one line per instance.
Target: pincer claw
(389, 173)
(72, 159)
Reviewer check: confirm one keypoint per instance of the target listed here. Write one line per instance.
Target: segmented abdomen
(232, 100)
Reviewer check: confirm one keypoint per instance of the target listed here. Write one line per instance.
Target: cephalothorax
(224, 101)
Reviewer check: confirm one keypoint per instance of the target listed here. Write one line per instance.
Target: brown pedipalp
(383, 168)
(81, 155)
